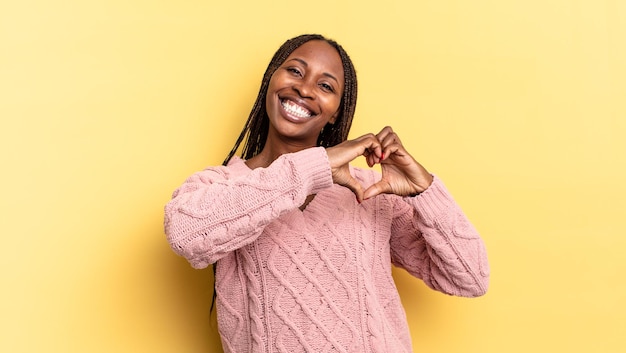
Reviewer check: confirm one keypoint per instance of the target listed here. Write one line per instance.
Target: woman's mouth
(295, 109)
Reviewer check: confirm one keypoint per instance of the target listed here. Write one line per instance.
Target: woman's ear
(333, 118)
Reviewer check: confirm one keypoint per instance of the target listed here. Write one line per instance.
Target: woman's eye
(294, 71)
(326, 87)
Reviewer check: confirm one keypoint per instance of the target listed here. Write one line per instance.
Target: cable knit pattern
(318, 280)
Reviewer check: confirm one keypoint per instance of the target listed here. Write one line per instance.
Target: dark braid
(257, 126)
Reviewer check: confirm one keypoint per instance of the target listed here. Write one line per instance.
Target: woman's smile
(294, 109)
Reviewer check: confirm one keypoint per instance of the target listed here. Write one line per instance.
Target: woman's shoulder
(235, 167)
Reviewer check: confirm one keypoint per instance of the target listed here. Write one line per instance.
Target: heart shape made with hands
(401, 173)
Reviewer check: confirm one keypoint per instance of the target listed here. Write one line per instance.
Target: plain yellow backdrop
(106, 106)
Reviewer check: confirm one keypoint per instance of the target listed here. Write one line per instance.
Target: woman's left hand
(401, 173)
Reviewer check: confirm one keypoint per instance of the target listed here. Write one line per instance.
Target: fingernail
(382, 156)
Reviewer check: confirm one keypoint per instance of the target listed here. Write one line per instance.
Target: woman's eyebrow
(305, 64)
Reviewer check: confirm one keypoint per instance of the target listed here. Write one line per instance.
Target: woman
(301, 265)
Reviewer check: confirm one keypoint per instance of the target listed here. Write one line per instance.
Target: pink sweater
(318, 280)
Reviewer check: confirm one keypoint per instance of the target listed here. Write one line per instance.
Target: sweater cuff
(432, 201)
(313, 167)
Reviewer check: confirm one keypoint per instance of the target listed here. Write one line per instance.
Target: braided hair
(256, 127)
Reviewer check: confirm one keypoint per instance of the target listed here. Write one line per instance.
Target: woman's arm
(221, 209)
(433, 240)
(431, 237)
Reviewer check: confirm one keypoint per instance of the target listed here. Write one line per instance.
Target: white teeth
(295, 109)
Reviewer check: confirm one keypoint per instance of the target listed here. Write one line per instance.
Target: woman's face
(304, 93)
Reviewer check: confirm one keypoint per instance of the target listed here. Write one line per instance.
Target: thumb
(378, 188)
(355, 187)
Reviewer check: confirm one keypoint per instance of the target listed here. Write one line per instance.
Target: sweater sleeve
(433, 240)
(219, 210)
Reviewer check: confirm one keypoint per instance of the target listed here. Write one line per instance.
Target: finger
(388, 138)
(381, 187)
(384, 131)
(370, 157)
(382, 135)
(372, 160)
(392, 151)
(356, 188)
(347, 151)
(370, 144)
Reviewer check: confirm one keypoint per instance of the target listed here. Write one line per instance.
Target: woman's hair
(256, 128)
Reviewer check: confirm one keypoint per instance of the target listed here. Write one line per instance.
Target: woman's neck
(271, 151)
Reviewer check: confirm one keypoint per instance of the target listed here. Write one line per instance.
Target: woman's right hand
(342, 154)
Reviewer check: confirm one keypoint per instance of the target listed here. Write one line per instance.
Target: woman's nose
(304, 88)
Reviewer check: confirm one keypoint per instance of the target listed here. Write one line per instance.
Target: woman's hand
(401, 173)
(342, 154)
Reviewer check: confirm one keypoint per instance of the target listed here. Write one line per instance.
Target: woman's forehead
(319, 54)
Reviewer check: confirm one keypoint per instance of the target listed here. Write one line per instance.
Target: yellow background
(107, 106)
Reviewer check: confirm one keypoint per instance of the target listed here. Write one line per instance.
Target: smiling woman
(301, 265)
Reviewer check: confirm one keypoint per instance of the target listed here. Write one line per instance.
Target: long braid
(334, 134)
(256, 127)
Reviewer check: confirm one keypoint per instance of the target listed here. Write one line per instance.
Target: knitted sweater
(318, 280)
